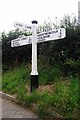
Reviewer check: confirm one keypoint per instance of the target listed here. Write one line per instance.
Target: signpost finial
(34, 22)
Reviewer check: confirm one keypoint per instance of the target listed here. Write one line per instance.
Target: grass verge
(62, 98)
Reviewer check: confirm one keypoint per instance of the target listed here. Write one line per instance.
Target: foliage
(13, 56)
(63, 99)
(48, 73)
(55, 52)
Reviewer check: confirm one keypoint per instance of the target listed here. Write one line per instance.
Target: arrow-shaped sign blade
(51, 35)
(22, 26)
(25, 40)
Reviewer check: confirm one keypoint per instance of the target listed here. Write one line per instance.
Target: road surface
(12, 110)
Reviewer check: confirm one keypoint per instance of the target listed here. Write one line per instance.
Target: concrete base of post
(34, 82)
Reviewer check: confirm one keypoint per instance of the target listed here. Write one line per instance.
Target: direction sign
(22, 26)
(34, 39)
(41, 37)
(20, 41)
(51, 35)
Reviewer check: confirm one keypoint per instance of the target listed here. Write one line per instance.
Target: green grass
(66, 97)
(49, 74)
(14, 79)
(63, 99)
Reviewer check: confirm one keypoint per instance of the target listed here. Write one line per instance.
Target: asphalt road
(12, 110)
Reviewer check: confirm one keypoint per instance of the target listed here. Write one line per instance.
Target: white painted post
(36, 38)
(34, 72)
(34, 49)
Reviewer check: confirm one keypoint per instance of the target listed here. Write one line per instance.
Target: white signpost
(34, 39)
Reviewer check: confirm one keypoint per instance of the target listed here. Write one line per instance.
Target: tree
(64, 52)
(11, 55)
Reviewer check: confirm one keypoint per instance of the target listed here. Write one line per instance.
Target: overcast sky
(27, 10)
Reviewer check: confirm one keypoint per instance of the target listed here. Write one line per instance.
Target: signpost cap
(34, 22)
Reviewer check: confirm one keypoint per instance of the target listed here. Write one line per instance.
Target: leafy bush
(72, 67)
(49, 74)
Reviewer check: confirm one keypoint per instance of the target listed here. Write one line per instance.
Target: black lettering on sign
(30, 40)
(24, 38)
(60, 34)
(47, 33)
(15, 44)
(18, 39)
(27, 27)
(52, 32)
(41, 34)
(46, 36)
(41, 39)
(18, 24)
